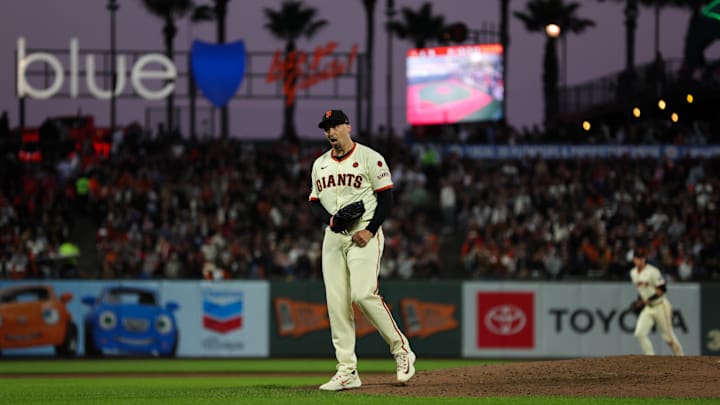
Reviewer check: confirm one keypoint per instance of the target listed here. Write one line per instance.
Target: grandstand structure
(481, 200)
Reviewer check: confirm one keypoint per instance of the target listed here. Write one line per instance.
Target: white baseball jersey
(357, 175)
(350, 271)
(647, 280)
(657, 312)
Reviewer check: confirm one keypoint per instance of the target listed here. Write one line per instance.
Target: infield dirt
(612, 377)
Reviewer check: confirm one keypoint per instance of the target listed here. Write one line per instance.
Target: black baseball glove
(346, 216)
(637, 306)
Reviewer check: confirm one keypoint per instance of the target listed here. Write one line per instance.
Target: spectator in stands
(552, 262)
(160, 206)
(448, 204)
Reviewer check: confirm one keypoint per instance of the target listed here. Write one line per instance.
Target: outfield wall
(441, 318)
(710, 319)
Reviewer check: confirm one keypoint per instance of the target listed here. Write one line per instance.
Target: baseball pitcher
(352, 194)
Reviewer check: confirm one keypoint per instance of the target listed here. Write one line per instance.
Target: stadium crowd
(181, 208)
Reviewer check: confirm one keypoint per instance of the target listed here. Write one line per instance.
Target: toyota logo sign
(505, 320)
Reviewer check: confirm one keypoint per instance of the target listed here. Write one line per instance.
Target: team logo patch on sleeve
(380, 163)
(356, 164)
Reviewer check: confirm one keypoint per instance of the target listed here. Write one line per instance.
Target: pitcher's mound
(613, 377)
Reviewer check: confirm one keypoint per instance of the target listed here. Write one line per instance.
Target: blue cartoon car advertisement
(130, 320)
(164, 318)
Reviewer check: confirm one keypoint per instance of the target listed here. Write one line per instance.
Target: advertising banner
(509, 319)
(428, 314)
(284, 319)
(223, 319)
(577, 151)
(153, 318)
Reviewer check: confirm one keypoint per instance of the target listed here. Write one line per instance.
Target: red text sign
(300, 70)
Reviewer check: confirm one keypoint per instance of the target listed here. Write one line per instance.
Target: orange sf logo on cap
(328, 113)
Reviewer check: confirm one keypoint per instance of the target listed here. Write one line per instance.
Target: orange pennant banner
(296, 318)
(423, 319)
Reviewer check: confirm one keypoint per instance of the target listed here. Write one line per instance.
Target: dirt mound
(614, 377)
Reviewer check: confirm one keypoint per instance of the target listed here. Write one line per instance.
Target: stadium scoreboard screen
(455, 84)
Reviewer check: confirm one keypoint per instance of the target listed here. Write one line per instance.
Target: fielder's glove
(346, 216)
(637, 306)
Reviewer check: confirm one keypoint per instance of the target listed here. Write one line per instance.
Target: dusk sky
(49, 24)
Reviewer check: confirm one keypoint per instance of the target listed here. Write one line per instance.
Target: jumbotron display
(454, 84)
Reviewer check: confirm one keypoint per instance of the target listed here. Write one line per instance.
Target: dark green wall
(710, 319)
(428, 305)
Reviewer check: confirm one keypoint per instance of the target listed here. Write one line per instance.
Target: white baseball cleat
(405, 366)
(342, 380)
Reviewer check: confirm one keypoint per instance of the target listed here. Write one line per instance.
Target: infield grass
(152, 365)
(23, 382)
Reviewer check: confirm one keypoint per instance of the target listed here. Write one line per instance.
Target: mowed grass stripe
(213, 365)
(160, 390)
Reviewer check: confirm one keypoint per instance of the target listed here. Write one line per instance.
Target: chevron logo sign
(223, 311)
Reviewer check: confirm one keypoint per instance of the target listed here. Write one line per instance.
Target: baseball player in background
(348, 173)
(653, 305)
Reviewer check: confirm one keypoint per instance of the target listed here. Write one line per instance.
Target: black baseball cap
(333, 117)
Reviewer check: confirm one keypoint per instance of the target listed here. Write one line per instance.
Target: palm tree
(369, 48)
(420, 27)
(538, 14)
(631, 14)
(221, 17)
(220, 10)
(658, 5)
(505, 41)
(701, 32)
(291, 22)
(200, 14)
(169, 11)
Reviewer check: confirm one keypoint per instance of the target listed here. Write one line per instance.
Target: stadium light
(553, 30)
(636, 112)
(662, 104)
(690, 98)
(389, 13)
(674, 117)
(586, 125)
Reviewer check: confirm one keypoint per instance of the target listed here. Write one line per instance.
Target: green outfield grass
(120, 365)
(19, 386)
